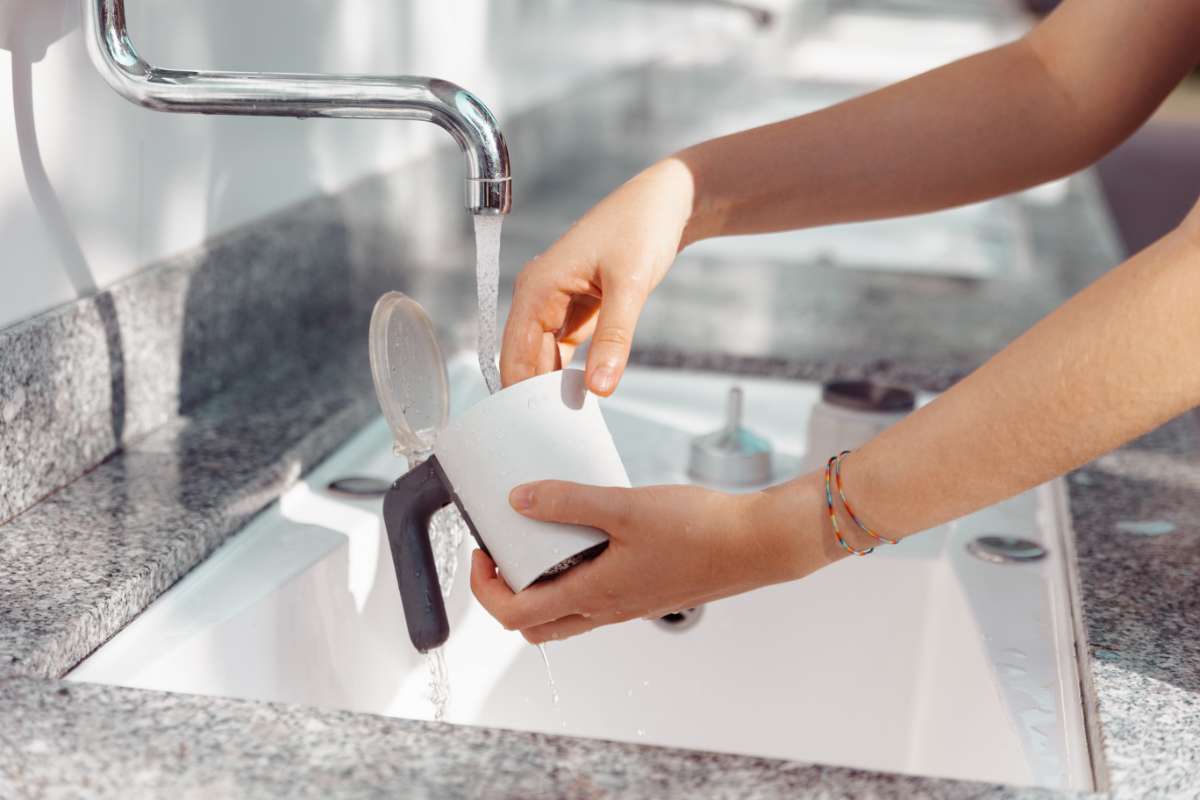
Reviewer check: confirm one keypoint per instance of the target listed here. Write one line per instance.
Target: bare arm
(1003, 120)
(1116, 361)
(999, 121)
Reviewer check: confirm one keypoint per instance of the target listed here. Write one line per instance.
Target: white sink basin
(920, 659)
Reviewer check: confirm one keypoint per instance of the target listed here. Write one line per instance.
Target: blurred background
(95, 189)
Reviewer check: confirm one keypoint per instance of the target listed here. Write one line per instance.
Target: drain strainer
(360, 486)
(1005, 549)
(680, 620)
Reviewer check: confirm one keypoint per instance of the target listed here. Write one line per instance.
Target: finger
(549, 359)
(580, 319)
(613, 337)
(566, 352)
(536, 605)
(577, 327)
(560, 629)
(538, 307)
(604, 507)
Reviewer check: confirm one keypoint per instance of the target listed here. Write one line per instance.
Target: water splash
(487, 283)
(447, 528)
(439, 682)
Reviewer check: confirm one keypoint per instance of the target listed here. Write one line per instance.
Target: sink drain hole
(678, 621)
(1005, 549)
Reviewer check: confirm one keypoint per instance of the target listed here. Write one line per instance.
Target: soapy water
(487, 288)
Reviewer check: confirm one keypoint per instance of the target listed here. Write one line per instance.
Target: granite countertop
(79, 565)
(154, 512)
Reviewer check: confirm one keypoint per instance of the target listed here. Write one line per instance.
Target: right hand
(595, 280)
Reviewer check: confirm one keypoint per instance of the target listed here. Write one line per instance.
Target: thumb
(604, 507)
(613, 337)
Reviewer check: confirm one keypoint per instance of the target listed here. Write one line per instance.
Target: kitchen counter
(155, 510)
(79, 565)
(102, 741)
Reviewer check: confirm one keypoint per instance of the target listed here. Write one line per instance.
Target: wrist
(786, 530)
(706, 214)
(677, 183)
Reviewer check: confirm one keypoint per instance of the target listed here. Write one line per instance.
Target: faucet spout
(450, 107)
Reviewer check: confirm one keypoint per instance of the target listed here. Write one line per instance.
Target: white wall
(94, 188)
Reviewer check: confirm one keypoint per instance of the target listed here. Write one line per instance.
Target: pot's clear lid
(409, 371)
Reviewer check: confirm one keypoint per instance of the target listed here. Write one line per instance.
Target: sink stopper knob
(733, 455)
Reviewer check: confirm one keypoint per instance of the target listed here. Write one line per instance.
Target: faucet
(450, 107)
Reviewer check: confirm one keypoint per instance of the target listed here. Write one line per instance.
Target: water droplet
(641, 732)
(549, 675)
(1154, 527)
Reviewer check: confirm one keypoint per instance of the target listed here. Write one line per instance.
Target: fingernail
(603, 379)
(521, 498)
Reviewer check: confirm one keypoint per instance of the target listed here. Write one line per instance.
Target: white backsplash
(94, 188)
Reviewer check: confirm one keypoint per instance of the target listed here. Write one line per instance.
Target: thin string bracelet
(837, 531)
(837, 476)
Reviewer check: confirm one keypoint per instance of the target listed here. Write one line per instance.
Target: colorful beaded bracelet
(837, 477)
(837, 531)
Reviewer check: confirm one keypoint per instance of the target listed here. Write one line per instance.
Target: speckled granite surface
(1136, 514)
(128, 743)
(78, 566)
(79, 382)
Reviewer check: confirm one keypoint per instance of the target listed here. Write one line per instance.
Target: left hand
(670, 547)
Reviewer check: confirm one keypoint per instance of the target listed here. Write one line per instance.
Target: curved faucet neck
(452, 108)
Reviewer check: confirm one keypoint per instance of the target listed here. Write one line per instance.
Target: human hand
(595, 280)
(670, 547)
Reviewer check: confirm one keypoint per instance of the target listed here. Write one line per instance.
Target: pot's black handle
(407, 508)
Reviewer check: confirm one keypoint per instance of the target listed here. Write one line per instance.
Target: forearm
(990, 124)
(1116, 361)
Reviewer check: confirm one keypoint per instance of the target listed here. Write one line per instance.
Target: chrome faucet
(452, 108)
